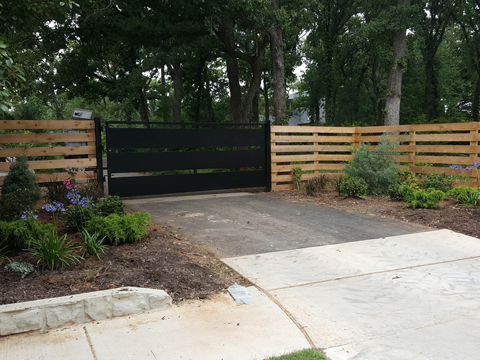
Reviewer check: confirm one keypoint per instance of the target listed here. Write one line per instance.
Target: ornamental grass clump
(377, 167)
(94, 243)
(53, 251)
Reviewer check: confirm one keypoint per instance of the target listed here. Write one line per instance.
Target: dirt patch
(164, 260)
(451, 216)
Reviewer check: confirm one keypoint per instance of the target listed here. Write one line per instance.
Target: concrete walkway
(212, 329)
(413, 296)
(244, 224)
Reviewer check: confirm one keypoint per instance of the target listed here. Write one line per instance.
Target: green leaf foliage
(350, 186)
(440, 182)
(53, 251)
(426, 199)
(14, 204)
(118, 230)
(23, 268)
(17, 235)
(465, 195)
(94, 243)
(110, 205)
(377, 167)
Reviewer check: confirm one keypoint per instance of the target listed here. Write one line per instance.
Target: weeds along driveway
(243, 224)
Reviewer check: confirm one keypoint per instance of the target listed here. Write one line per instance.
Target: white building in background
(300, 117)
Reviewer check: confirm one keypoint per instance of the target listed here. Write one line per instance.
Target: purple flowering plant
(28, 215)
(80, 210)
(55, 208)
(468, 167)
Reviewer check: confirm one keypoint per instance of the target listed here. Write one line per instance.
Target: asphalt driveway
(244, 224)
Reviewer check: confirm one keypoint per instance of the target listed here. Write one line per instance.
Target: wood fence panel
(47, 124)
(460, 147)
(84, 155)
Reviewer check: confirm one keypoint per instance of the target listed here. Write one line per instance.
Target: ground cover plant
(47, 258)
(308, 354)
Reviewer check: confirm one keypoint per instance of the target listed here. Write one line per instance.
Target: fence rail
(53, 145)
(425, 149)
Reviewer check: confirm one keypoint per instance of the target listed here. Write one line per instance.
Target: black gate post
(268, 155)
(99, 151)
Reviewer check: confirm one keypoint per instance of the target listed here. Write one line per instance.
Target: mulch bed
(163, 261)
(186, 270)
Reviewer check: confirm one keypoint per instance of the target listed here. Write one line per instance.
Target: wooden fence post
(412, 153)
(272, 145)
(474, 155)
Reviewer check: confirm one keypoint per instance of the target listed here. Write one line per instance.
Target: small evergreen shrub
(110, 205)
(118, 230)
(14, 204)
(351, 186)
(377, 167)
(19, 178)
(465, 195)
(53, 252)
(316, 184)
(416, 198)
(17, 235)
(440, 182)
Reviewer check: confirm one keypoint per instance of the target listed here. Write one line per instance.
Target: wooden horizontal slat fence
(53, 144)
(425, 149)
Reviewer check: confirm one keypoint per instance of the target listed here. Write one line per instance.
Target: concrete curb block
(77, 309)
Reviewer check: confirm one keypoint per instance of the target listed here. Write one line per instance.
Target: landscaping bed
(450, 215)
(163, 261)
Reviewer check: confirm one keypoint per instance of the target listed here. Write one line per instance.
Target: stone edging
(77, 309)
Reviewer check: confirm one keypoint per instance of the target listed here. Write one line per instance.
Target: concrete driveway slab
(323, 263)
(244, 224)
(454, 340)
(389, 298)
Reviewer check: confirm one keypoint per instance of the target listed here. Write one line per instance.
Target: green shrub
(405, 177)
(120, 229)
(110, 205)
(17, 235)
(19, 178)
(94, 243)
(76, 217)
(427, 199)
(440, 182)
(14, 204)
(465, 195)
(53, 251)
(316, 184)
(350, 186)
(377, 167)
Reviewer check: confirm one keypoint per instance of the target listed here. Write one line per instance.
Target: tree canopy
(389, 61)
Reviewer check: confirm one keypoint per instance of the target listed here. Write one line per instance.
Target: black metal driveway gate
(186, 157)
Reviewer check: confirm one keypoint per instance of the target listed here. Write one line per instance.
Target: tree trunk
(58, 108)
(395, 75)
(235, 90)
(176, 74)
(356, 100)
(476, 99)
(255, 113)
(278, 69)
(252, 90)
(431, 104)
(142, 107)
